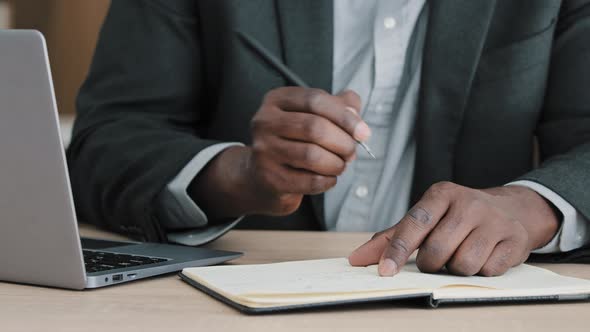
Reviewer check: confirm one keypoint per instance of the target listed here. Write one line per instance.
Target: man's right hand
(302, 140)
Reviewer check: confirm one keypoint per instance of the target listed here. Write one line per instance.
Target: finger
(413, 229)
(443, 241)
(370, 252)
(315, 129)
(351, 99)
(505, 255)
(309, 157)
(473, 252)
(321, 103)
(284, 179)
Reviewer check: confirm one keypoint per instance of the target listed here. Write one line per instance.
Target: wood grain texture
(166, 303)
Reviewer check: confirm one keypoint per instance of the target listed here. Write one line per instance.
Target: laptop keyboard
(98, 261)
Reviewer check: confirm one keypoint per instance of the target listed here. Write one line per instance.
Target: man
(182, 130)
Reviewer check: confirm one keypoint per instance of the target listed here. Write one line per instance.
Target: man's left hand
(466, 230)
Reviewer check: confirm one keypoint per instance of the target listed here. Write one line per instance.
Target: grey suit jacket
(169, 79)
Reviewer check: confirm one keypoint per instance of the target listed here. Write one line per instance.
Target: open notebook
(290, 285)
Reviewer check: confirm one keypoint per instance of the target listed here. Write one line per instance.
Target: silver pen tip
(366, 147)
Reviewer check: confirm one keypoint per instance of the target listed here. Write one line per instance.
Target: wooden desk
(168, 304)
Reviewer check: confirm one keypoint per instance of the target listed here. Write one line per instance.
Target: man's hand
(302, 140)
(468, 231)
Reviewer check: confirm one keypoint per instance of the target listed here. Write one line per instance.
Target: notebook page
(336, 276)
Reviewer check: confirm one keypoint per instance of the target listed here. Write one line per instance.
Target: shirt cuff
(574, 231)
(197, 237)
(177, 210)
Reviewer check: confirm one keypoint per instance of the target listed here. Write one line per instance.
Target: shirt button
(379, 108)
(361, 191)
(389, 23)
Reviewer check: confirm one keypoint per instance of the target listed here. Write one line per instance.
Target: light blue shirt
(372, 40)
(381, 61)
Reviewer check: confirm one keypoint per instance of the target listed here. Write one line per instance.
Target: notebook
(276, 287)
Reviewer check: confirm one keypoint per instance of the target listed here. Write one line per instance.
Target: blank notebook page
(302, 281)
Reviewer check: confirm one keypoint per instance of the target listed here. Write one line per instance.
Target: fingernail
(351, 258)
(362, 132)
(387, 268)
(348, 108)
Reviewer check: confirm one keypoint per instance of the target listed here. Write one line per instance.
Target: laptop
(39, 240)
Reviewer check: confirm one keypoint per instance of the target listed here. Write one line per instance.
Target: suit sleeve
(564, 128)
(139, 115)
(573, 232)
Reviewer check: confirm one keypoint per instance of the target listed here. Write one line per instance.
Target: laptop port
(117, 277)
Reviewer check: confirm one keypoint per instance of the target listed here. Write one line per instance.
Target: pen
(271, 60)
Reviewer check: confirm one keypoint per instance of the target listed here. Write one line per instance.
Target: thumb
(370, 252)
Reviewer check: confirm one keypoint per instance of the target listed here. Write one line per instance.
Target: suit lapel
(455, 37)
(306, 28)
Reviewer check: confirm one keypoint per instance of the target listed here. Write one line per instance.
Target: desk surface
(166, 303)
